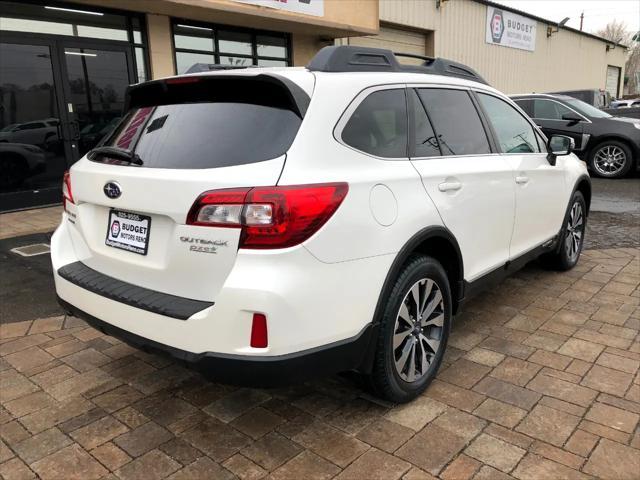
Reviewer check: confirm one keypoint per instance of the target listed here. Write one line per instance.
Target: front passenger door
(540, 202)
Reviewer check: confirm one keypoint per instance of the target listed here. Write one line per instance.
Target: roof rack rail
(348, 58)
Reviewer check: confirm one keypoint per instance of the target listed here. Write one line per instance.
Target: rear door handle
(522, 179)
(449, 186)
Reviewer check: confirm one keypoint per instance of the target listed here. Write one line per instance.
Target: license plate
(128, 231)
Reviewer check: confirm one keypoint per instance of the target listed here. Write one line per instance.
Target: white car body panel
(540, 189)
(480, 213)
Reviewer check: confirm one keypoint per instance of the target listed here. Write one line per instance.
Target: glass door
(96, 78)
(33, 154)
(58, 98)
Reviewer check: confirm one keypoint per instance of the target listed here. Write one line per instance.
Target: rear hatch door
(187, 135)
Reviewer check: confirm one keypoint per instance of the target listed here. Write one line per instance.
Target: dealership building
(64, 66)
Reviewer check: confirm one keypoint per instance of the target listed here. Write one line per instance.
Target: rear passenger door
(539, 186)
(471, 186)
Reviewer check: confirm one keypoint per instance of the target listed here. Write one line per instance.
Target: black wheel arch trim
(405, 252)
(582, 179)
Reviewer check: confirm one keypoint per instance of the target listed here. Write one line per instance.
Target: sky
(597, 13)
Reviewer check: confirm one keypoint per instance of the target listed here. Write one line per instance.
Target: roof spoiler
(347, 58)
(193, 88)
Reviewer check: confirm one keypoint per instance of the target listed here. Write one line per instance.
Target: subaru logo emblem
(112, 190)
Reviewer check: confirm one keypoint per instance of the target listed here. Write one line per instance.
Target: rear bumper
(251, 370)
(308, 304)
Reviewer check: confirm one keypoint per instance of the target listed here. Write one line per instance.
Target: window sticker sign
(510, 30)
(308, 7)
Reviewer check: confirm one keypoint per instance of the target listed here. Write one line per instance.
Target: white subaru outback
(269, 225)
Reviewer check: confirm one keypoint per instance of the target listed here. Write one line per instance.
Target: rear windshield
(206, 124)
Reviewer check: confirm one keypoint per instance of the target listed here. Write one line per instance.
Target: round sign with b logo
(115, 229)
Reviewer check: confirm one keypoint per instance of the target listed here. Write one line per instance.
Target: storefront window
(194, 43)
(232, 42)
(184, 60)
(271, 46)
(75, 21)
(226, 46)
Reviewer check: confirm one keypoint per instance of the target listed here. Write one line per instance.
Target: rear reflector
(270, 217)
(259, 336)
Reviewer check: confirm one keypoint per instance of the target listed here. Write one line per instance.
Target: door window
(379, 125)
(425, 141)
(548, 110)
(455, 121)
(514, 133)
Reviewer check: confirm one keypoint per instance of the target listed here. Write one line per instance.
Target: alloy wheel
(609, 160)
(418, 329)
(575, 231)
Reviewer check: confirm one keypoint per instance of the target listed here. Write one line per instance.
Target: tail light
(270, 217)
(67, 195)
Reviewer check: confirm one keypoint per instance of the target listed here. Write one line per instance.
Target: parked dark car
(609, 144)
(594, 96)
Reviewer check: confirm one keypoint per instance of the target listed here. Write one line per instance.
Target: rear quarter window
(378, 125)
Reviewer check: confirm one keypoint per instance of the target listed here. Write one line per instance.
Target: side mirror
(559, 145)
(572, 117)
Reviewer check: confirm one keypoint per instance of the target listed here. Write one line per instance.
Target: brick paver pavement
(27, 222)
(541, 381)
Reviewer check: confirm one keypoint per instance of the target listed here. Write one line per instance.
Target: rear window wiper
(119, 153)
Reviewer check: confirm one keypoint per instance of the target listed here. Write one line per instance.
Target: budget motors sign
(307, 7)
(510, 30)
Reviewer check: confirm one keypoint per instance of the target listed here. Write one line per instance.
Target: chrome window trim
(359, 98)
(447, 157)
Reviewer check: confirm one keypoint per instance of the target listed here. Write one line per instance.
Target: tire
(572, 238)
(610, 159)
(393, 376)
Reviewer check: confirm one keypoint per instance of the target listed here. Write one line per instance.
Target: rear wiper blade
(119, 153)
